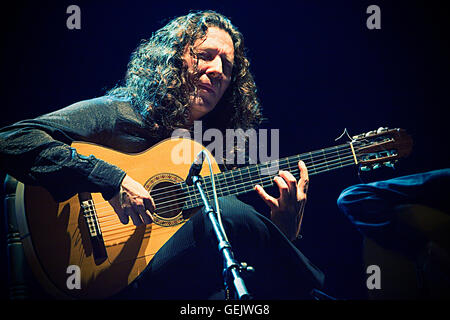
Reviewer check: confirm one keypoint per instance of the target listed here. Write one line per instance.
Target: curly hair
(158, 82)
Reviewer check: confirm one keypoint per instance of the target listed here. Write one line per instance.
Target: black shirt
(38, 152)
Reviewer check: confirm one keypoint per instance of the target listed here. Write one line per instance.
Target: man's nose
(215, 68)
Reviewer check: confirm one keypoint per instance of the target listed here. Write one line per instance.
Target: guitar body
(56, 235)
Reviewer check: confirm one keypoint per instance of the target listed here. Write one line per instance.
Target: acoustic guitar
(85, 232)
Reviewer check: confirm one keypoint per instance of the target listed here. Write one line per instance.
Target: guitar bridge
(95, 233)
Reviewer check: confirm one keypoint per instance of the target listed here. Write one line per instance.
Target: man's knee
(349, 201)
(242, 222)
(364, 205)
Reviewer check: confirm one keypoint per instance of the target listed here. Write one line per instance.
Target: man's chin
(201, 110)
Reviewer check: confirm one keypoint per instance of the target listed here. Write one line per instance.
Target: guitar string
(244, 183)
(241, 186)
(332, 151)
(250, 170)
(238, 177)
(266, 183)
(282, 161)
(111, 234)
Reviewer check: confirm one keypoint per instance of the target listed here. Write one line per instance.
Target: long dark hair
(158, 83)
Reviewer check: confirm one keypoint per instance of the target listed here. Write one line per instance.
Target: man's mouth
(206, 87)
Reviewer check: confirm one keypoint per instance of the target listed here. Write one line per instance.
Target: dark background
(317, 66)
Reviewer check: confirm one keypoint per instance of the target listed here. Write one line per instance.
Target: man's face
(215, 62)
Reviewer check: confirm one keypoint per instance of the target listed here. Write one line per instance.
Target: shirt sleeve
(39, 152)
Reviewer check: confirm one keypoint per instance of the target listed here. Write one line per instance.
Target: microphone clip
(195, 169)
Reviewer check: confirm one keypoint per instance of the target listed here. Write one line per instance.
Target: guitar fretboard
(243, 180)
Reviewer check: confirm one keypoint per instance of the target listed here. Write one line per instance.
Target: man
(194, 68)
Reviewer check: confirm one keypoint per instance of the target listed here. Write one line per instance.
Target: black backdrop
(318, 67)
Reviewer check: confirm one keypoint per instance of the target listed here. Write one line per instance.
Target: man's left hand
(286, 211)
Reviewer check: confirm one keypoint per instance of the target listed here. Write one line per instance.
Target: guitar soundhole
(168, 198)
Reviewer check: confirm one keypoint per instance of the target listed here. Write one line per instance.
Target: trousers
(189, 265)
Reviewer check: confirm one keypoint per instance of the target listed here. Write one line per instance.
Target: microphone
(196, 167)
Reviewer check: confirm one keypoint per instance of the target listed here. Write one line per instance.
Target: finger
(303, 171)
(146, 218)
(140, 209)
(291, 183)
(149, 214)
(119, 210)
(134, 216)
(282, 187)
(303, 182)
(268, 199)
(149, 204)
(123, 217)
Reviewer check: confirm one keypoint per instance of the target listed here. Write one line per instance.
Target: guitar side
(56, 235)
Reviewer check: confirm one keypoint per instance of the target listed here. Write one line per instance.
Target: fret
(220, 184)
(293, 165)
(255, 172)
(339, 157)
(189, 203)
(246, 175)
(312, 168)
(193, 196)
(267, 169)
(233, 184)
(207, 187)
(325, 158)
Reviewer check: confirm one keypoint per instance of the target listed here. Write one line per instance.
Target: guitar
(85, 232)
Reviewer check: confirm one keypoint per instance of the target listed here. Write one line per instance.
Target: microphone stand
(231, 269)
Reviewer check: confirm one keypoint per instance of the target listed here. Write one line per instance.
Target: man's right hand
(134, 201)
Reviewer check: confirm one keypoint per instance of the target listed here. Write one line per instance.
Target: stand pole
(231, 269)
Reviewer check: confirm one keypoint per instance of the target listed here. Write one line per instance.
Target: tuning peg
(389, 164)
(370, 133)
(365, 168)
(376, 166)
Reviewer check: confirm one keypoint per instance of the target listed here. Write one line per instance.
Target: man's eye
(203, 56)
(228, 69)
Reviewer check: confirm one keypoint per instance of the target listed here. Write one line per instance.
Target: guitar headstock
(382, 147)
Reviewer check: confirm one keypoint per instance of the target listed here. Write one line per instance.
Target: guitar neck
(243, 180)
